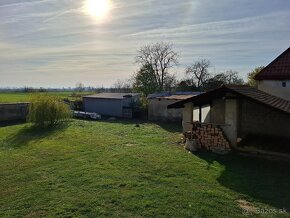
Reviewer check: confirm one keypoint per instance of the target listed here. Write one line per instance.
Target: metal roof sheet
(176, 97)
(109, 95)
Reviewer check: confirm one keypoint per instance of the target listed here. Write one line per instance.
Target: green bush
(47, 110)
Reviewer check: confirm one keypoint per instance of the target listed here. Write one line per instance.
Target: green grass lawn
(12, 97)
(90, 169)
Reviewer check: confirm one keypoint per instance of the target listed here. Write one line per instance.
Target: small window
(283, 84)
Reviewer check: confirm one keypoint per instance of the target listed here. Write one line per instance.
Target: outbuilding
(158, 102)
(244, 110)
(239, 111)
(111, 104)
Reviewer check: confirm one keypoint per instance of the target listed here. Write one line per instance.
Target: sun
(97, 8)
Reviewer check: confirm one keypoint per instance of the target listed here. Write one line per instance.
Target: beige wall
(274, 87)
(217, 114)
(13, 112)
(157, 110)
(187, 117)
(231, 120)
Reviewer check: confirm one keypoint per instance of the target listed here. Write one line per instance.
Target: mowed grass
(12, 97)
(118, 169)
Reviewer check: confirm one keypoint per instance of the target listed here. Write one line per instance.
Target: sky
(58, 43)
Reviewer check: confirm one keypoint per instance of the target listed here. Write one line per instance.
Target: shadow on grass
(11, 123)
(264, 180)
(32, 134)
(268, 143)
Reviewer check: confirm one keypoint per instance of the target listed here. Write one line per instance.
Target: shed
(239, 111)
(158, 102)
(111, 104)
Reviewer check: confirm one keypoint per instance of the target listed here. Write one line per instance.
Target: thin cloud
(53, 43)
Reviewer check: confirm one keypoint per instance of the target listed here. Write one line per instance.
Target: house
(243, 110)
(275, 78)
(111, 104)
(157, 108)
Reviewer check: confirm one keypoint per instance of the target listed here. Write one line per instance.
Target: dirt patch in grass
(246, 206)
(131, 145)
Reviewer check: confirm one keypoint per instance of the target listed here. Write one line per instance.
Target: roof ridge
(267, 73)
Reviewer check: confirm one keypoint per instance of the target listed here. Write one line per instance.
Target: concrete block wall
(259, 119)
(13, 112)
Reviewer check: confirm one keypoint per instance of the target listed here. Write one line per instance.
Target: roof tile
(279, 69)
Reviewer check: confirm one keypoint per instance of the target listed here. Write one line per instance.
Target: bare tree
(198, 72)
(232, 77)
(122, 86)
(161, 57)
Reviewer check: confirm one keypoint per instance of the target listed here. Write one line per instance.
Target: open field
(90, 169)
(12, 97)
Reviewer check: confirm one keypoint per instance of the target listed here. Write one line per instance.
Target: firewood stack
(209, 137)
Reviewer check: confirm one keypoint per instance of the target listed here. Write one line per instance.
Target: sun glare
(98, 9)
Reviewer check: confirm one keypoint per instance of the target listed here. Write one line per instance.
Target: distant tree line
(156, 62)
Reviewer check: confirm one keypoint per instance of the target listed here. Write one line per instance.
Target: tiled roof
(108, 95)
(262, 97)
(279, 69)
(242, 91)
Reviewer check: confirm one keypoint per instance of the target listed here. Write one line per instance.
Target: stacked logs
(209, 137)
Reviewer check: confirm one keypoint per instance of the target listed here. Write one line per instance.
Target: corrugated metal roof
(242, 91)
(279, 69)
(108, 95)
(176, 97)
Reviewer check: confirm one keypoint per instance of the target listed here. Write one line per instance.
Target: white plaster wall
(205, 114)
(275, 87)
(231, 120)
(195, 114)
(187, 117)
